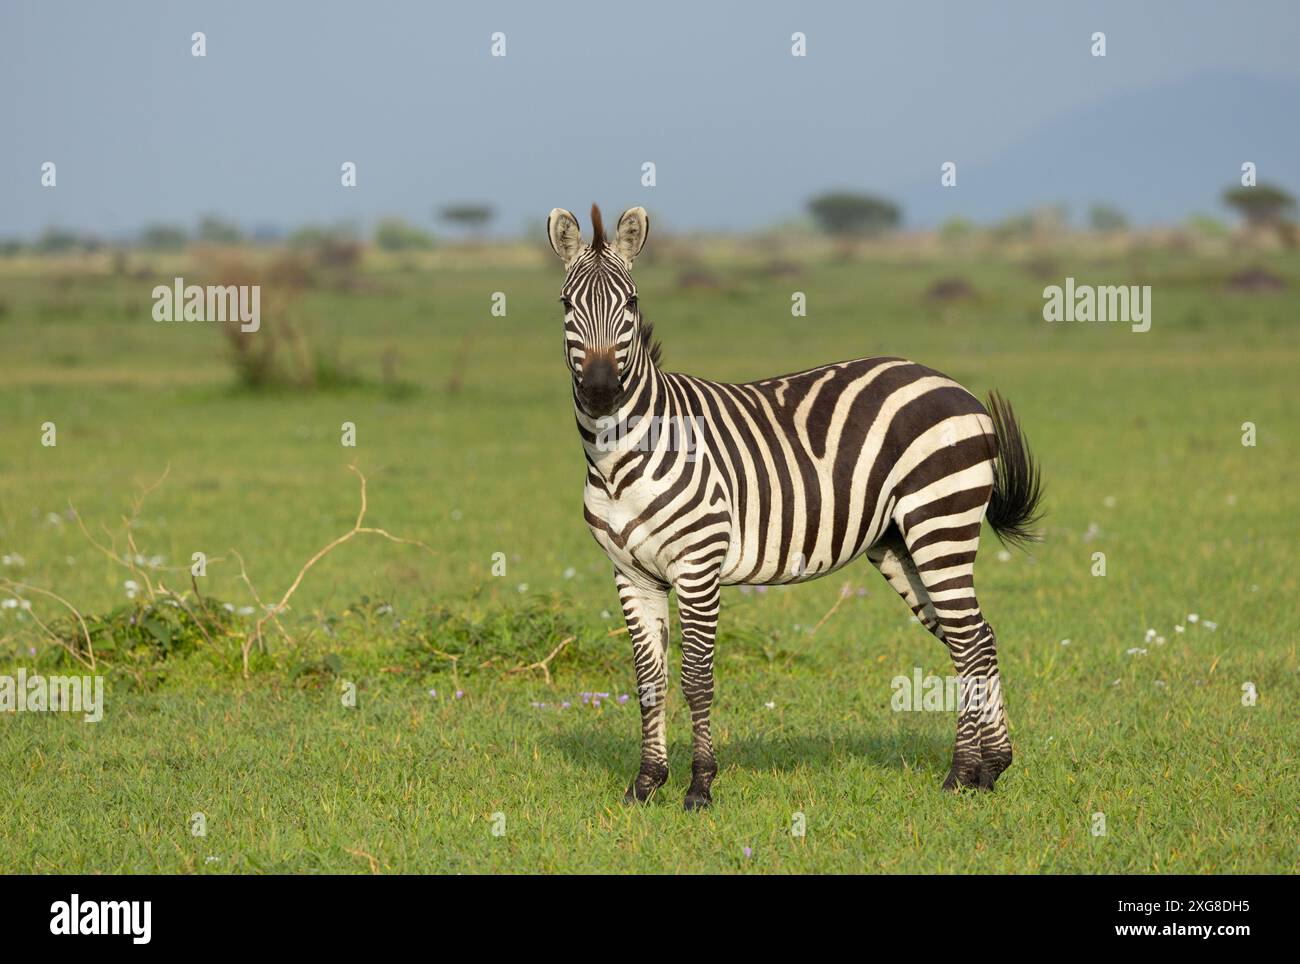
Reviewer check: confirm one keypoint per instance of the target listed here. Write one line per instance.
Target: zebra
(780, 481)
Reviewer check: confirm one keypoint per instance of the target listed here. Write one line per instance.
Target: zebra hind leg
(938, 585)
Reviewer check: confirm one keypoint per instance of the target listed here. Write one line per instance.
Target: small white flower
(9, 604)
(1065, 642)
(1004, 556)
(1160, 683)
(1135, 651)
(455, 515)
(54, 519)
(1160, 640)
(1109, 502)
(570, 573)
(228, 607)
(604, 614)
(1193, 618)
(245, 611)
(522, 587)
(1180, 629)
(771, 705)
(1211, 626)
(1151, 634)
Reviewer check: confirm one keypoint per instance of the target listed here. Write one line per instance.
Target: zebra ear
(566, 237)
(633, 227)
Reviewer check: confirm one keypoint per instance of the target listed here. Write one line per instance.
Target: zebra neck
(633, 427)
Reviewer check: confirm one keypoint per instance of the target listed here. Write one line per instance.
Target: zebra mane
(597, 229)
(654, 349)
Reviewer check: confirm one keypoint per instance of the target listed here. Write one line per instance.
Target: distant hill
(1158, 155)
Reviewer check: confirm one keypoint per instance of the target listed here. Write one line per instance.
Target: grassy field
(470, 449)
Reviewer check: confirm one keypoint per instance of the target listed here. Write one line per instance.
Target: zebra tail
(1015, 507)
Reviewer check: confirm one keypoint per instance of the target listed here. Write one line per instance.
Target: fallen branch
(128, 522)
(18, 587)
(357, 529)
(544, 664)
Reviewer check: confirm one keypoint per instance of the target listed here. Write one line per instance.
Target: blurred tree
(956, 228)
(472, 217)
(394, 234)
(844, 213)
(1107, 219)
(214, 230)
(163, 237)
(315, 235)
(1209, 226)
(57, 241)
(1262, 205)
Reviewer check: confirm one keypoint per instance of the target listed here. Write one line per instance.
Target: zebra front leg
(646, 610)
(697, 605)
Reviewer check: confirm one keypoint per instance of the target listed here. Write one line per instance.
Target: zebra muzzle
(600, 389)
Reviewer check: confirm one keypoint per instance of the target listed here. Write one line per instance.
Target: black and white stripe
(780, 481)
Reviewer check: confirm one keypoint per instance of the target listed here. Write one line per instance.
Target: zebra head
(601, 320)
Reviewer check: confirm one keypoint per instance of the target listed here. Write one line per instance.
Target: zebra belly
(783, 568)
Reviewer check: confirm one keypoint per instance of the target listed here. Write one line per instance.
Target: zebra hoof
(956, 783)
(964, 774)
(698, 801)
(645, 784)
(992, 766)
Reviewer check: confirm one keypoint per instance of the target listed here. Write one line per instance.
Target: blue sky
(741, 132)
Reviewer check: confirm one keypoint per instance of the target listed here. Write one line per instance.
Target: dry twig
(357, 529)
(845, 592)
(544, 664)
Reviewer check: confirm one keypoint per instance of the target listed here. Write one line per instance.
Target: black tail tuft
(1017, 485)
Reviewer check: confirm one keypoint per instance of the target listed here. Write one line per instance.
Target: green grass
(1139, 436)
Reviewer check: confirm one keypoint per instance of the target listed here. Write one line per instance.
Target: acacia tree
(1264, 205)
(846, 214)
(1106, 219)
(473, 217)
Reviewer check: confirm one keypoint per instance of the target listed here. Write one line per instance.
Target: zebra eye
(568, 305)
(632, 303)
